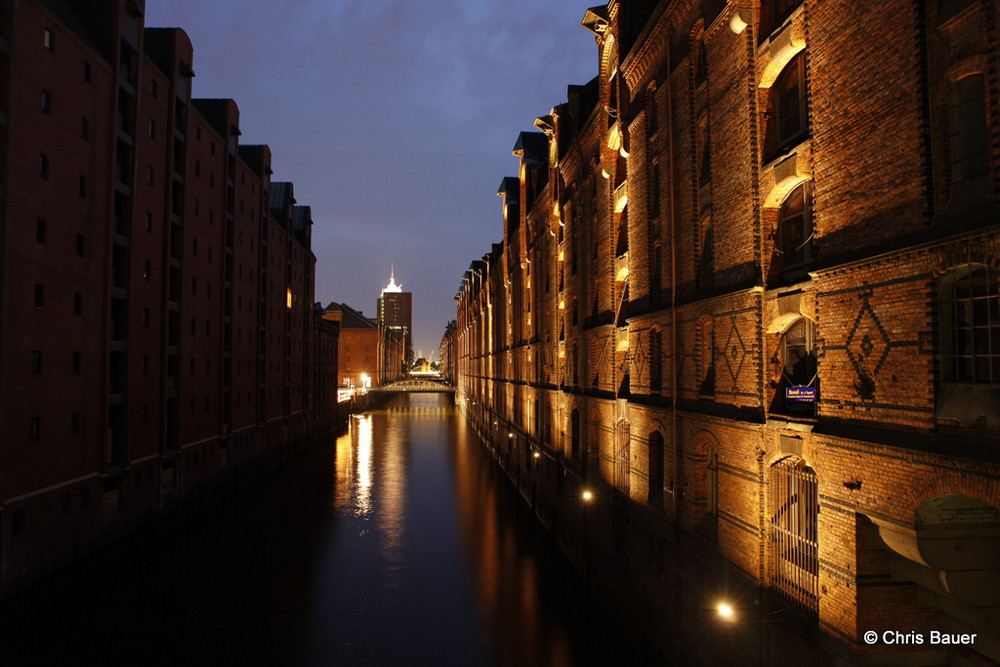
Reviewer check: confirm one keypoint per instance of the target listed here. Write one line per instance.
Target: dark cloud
(395, 120)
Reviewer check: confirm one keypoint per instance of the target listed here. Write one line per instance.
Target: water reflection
(396, 542)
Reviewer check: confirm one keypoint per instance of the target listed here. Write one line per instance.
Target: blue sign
(800, 395)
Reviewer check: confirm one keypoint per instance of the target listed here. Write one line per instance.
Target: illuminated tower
(395, 313)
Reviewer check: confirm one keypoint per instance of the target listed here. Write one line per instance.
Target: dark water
(397, 543)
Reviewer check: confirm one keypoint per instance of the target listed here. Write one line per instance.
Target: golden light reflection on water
(364, 484)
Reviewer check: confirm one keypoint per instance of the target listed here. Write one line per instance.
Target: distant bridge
(415, 385)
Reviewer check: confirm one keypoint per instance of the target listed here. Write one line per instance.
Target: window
(39, 296)
(147, 270)
(40, 230)
(782, 9)
(149, 222)
(704, 160)
(46, 102)
(969, 304)
(84, 128)
(74, 423)
(86, 71)
(43, 165)
(152, 129)
(152, 89)
(80, 245)
(798, 354)
(77, 363)
(48, 40)
(36, 362)
(78, 303)
(967, 120)
(789, 98)
(35, 429)
(145, 318)
(81, 186)
(794, 523)
(795, 227)
(144, 366)
(149, 174)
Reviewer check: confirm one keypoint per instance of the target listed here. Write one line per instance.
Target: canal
(396, 542)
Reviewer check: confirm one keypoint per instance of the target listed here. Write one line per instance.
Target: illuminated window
(788, 97)
(288, 298)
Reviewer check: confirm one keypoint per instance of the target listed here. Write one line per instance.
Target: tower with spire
(395, 313)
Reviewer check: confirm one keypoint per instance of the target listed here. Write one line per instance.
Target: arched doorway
(794, 518)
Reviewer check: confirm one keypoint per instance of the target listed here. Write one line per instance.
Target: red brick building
(157, 325)
(369, 354)
(747, 295)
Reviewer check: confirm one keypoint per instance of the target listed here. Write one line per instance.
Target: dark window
(40, 230)
(704, 155)
(790, 119)
(36, 362)
(35, 429)
(74, 423)
(84, 128)
(46, 102)
(967, 115)
(969, 303)
(80, 245)
(86, 71)
(39, 296)
(81, 186)
(77, 363)
(43, 165)
(795, 227)
(149, 222)
(78, 303)
(782, 9)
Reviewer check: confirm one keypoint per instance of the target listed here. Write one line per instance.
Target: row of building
(158, 332)
(747, 296)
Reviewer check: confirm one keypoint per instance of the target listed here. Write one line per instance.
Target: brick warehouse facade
(747, 295)
(158, 331)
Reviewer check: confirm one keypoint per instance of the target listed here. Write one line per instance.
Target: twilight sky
(395, 120)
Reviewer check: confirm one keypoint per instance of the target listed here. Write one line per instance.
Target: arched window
(795, 227)
(967, 127)
(969, 303)
(791, 122)
(798, 353)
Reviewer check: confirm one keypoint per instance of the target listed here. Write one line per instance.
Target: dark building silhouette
(156, 312)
